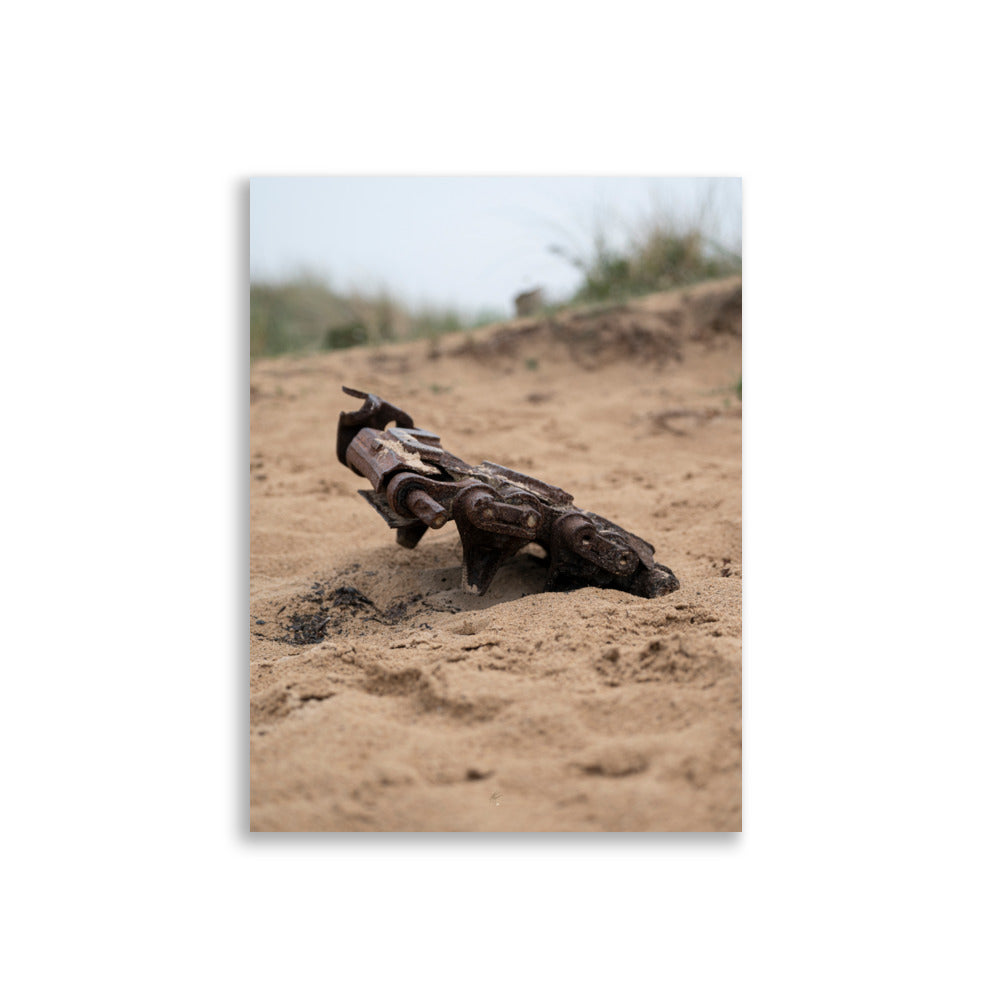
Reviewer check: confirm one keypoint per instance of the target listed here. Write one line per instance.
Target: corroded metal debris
(417, 485)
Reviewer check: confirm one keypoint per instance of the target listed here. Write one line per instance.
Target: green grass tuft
(660, 254)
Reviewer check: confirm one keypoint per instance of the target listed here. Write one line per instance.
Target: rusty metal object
(417, 485)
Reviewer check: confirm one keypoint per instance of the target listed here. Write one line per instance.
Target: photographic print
(495, 504)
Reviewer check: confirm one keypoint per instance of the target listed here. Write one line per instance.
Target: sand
(384, 698)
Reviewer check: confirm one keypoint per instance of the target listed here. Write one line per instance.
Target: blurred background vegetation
(306, 314)
(662, 255)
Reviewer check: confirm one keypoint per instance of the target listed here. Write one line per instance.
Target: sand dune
(383, 697)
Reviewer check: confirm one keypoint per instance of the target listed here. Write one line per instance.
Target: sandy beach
(384, 698)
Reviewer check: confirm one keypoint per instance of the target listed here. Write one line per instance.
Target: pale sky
(468, 242)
